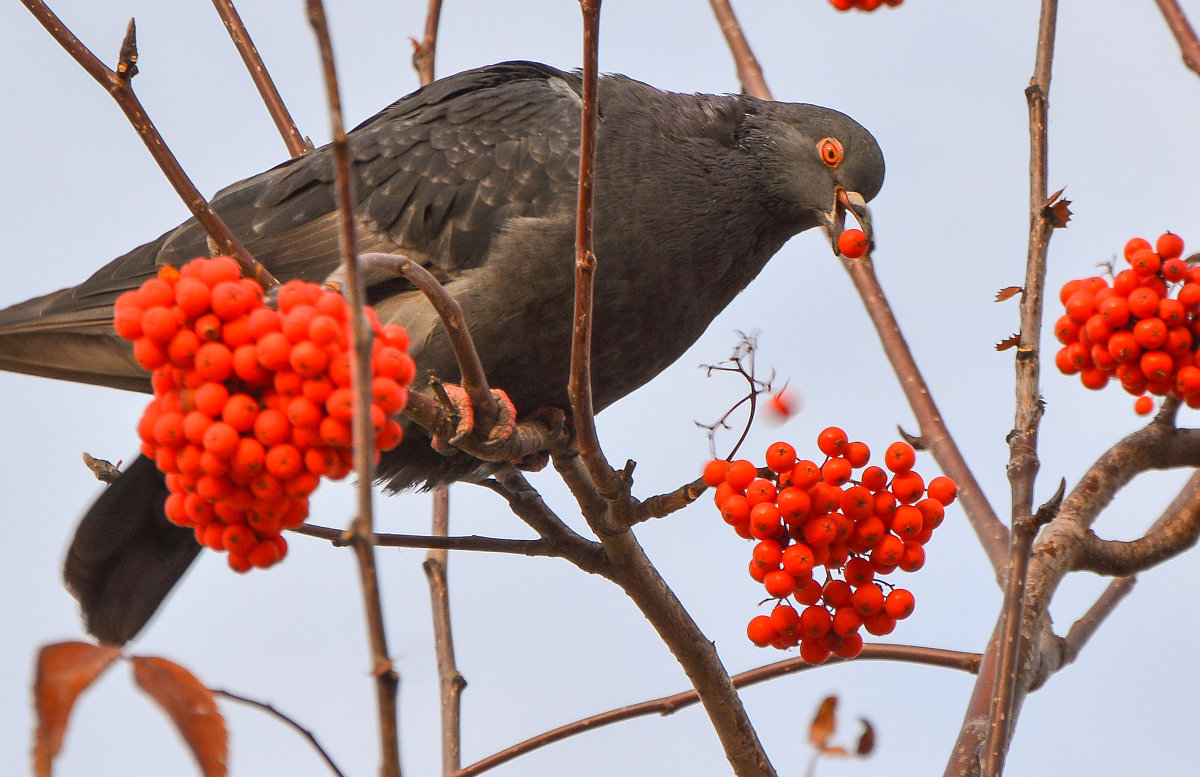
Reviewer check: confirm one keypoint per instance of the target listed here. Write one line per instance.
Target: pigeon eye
(831, 152)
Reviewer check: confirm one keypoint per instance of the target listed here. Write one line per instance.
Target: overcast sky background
(940, 84)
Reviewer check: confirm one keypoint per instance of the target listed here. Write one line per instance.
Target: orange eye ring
(831, 152)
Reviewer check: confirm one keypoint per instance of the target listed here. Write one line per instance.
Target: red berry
(1169, 246)
(852, 243)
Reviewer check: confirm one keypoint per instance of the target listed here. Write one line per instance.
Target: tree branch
(118, 85)
(450, 681)
(1173, 533)
(668, 705)
(425, 51)
(271, 98)
(749, 71)
(362, 529)
(1189, 47)
(271, 710)
(935, 436)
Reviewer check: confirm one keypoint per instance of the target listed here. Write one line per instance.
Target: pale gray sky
(940, 84)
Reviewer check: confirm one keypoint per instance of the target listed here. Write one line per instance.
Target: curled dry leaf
(191, 707)
(866, 742)
(824, 723)
(64, 671)
(1008, 342)
(1008, 292)
(1057, 210)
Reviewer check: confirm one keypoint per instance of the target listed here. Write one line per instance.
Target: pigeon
(474, 177)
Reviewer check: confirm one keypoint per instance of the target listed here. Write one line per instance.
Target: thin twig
(474, 543)
(362, 529)
(262, 79)
(668, 705)
(425, 51)
(1083, 629)
(118, 85)
(450, 681)
(580, 384)
(272, 710)
(1189, 47)
(474, 379)
(1023, 462)
(749, 71)
(992, 534)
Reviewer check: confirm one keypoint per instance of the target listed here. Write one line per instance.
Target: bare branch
(935, 436)
(450, 681)
(668, 705)
(272, 710)
(749, 71)
(271, 98)
(580, 384)
(425, 51)
(118, 85)
(1173, 533)
(474, 380)
(1189, 47)
(362, 529)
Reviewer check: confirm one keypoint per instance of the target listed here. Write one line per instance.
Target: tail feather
(126, 556)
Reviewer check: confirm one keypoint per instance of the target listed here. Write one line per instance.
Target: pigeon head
(817, 163)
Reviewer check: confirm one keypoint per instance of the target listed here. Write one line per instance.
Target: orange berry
(832, 441)
(900, 457)
(761, 631)
(274, 351)
(913, 557)
(214, 361)
(1143, 302)
(852, 243)
(805, 474)
(797, 560)
(867, 600)
(284, 461)
(899, 603)
(779, 584)
(812, 652)
(781, 457)
(836, 471)
(308, 359)
(271, 427)
(1169, 246)
(714, 472)
(879, 624)
(739, 474)
(760, 490)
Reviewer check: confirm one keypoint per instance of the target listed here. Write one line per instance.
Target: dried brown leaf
(824, 723)
(834, 752)
(1008, 342)
(866, 742)
(191, 707)
(64, 671)
(1008, 292)
(1057, 211)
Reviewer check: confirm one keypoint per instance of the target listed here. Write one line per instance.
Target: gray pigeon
(474, 176)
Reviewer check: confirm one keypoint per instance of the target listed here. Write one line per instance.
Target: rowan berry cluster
(863, 5)
(806, 516)
(252, 405)
(1141, 329)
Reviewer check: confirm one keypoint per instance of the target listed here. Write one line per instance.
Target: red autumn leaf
(1008, 292)
(64, 671)
(191, 707)
(1057, 211)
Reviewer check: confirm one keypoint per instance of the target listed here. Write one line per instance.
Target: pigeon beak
(853, 203)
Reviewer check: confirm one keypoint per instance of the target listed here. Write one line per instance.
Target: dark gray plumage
(474, 176)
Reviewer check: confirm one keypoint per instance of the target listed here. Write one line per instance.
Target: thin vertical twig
(262, 79)
(425, 50)
(749, 71)
(119, 85)
(580, 385)
(362, 529)
(1023, 462)
(450, 682)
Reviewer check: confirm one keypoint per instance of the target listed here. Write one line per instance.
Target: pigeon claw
(464, 411)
